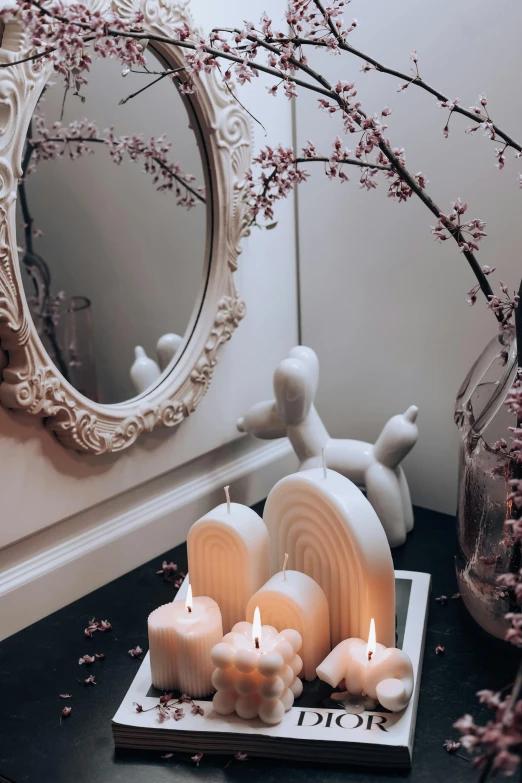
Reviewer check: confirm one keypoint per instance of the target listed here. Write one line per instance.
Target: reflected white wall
(109, 234)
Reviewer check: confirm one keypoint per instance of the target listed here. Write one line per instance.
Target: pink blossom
(66, 712)
(135, 652)
(451, 746)
(88, 659)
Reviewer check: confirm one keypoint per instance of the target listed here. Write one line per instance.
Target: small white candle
(291, 598)
(332, 533)
(229, 558)
(181, 637)
(256, 671)
(385, 674)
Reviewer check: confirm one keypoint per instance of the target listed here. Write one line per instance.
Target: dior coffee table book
(315, 728)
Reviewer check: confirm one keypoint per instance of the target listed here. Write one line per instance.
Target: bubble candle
(256, 671)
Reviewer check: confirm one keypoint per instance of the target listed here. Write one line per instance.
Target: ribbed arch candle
(229, 558)
(331, 532)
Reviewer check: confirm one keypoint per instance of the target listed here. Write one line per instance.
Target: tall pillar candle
(229, 558)
(291, 599)
(332, 533)
(181, 637)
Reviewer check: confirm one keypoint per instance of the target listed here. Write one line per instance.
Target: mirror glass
(113, 234)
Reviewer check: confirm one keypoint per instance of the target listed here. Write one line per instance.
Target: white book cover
(315, 728)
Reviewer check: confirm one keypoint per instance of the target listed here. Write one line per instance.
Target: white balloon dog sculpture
(375, 467)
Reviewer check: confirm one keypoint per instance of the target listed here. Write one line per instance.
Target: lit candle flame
(188, 602)
(372, 643)
(256, 628)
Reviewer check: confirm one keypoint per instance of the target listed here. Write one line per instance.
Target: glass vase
(485, 468)
(65, 328)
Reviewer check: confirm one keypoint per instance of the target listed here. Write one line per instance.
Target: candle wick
(325, 475)
(370, 653)
(227, 494)
(284, 566)
(189, 609)
(256, 642)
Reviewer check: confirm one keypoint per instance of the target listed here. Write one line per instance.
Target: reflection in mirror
(113, 223)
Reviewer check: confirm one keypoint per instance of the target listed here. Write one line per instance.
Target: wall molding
(92, 548)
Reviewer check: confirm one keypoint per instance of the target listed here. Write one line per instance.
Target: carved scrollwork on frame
(30, 381)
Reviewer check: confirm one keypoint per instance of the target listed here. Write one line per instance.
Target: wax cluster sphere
(257, 682)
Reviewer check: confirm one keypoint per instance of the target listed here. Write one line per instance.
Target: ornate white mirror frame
(31, 382)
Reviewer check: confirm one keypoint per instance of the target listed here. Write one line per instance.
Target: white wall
(44, 484)
(382, 303)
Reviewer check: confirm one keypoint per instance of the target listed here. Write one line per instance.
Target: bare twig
(150, 84)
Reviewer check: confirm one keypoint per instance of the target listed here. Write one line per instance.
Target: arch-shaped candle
(298, 602)
(229, 558)
(332, 533)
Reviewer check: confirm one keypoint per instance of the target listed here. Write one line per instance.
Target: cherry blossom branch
(168, 169)
(204, 58)
(416, 80)
(359, 119)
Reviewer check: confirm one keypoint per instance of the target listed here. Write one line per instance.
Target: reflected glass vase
(484, 547)
(65, 329)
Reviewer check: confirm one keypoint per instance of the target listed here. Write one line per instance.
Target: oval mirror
(114, 218)
(112, 320)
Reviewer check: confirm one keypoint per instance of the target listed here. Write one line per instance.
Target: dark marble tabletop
(40, 662)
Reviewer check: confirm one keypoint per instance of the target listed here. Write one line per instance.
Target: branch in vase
(361, 120)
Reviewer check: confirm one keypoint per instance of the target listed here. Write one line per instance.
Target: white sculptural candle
(332, 533)
(293, 599)
(385, 674)
(229, 558)
(256, 671)
(181, 637)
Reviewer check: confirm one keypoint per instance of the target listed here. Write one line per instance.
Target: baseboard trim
(53, 568)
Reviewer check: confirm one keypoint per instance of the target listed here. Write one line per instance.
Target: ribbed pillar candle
(291, 599)
(180, 643)
(229, 558)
